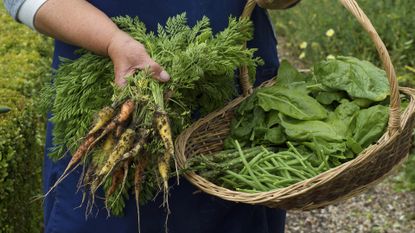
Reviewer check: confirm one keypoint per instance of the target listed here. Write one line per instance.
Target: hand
(128, 55)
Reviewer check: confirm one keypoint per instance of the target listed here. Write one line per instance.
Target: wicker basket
(368, 168)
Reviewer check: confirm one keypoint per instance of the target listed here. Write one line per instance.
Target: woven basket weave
(368, 168)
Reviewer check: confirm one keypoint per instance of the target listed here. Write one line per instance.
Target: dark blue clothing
(191, 211)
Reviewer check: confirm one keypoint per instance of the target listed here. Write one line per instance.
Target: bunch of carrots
(122, 144)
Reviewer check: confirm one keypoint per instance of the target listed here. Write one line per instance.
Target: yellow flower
(330, 32)
(302, 55)
(330, 57)
(303, 45)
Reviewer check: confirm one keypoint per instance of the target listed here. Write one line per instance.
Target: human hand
(128, 56)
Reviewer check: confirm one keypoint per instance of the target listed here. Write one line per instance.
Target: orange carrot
(115, 181)
(138, 180)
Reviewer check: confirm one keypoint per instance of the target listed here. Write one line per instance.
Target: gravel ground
(379, 210)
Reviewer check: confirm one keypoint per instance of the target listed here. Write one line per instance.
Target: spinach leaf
(291, 102)
(360, 79)
(343, 117)
(370, 125)
(248, 104)
(308, 130)
(288, 75)
(272, 118)
(328, 98)
(363, 103)
(275, 136)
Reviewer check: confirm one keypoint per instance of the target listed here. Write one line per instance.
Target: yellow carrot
(125, 143)
(104, 115)
(161, 121)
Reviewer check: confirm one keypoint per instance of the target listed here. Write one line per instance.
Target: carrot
(115, 181)
(120, 129)
(127, 108)
(74, 162)
(161, 121)
(91, 139)
(138, 180)
(104, 115)
(138, 146)
(125, 143)
(109, 144)
(98, 159)
(121, 178)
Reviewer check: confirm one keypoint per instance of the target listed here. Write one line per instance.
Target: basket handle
(243, 71)
(394, 109)
(353, 7)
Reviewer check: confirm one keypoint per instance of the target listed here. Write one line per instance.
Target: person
(87, 24)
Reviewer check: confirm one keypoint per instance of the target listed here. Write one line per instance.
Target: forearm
(76, 22)
(277, 4)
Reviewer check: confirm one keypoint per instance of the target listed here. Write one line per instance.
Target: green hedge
(25, 58)
(20, 165)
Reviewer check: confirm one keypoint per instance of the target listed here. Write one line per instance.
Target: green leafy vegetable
(370, 125)
(291, 102)
(307, 130)
(309, 124)
(360, 79)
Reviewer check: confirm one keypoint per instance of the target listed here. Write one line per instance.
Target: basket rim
(263, 197)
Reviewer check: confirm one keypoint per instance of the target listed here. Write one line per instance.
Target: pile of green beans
(256, 169)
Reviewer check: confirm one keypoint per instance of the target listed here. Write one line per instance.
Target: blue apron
(191, 211)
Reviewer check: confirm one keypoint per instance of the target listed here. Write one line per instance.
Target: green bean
(248, 155)
(296, 172)
(263, 170)
(245, 180)
(297, 154)
(247, 165)
(320, 153)
(281, 168)
(284, 183)
(252, 162)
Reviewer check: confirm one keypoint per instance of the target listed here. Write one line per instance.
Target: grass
(318, 29)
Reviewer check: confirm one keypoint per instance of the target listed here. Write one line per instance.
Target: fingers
(122, 72)
(128, 56)
(156, 70)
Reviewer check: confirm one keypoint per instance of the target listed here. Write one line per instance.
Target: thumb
(156, 70)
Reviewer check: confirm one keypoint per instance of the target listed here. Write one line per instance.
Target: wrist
(117, 39)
